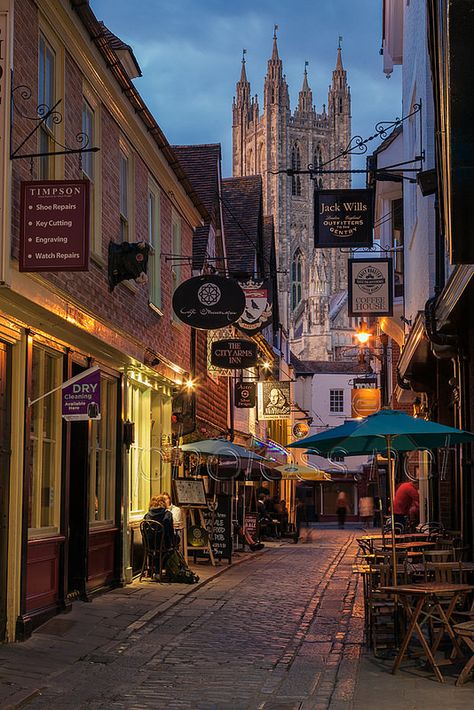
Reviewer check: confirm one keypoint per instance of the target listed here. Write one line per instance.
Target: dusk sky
(190, 53)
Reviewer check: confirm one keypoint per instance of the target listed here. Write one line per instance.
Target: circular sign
(370, 279)
(300, 430)
(209, 302)
(197, 536)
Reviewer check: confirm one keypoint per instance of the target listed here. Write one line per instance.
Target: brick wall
(212, 395)
(126, 309)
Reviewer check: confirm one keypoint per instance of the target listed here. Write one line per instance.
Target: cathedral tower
(312, 282)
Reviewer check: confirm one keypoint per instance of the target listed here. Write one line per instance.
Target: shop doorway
(5, 452)
(78, 506)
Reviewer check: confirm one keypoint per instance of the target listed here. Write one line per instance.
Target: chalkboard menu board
(218, 520)
(189, 492)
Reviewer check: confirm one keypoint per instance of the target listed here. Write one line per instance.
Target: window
(46, 98)
(124, 197)
(103, 456)
(318, 163)
(397, 244)
(336, 401)
(296, 165)
(139, 411)
(154, 239)
(176, 243)
(296, 292)
(91, 168)
(45, 437)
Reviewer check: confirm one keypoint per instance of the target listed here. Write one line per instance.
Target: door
(5, 366)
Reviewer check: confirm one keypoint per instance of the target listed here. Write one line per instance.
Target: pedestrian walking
(342, 508)
(366, 510)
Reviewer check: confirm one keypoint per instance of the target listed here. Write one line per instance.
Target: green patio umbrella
(387, 430)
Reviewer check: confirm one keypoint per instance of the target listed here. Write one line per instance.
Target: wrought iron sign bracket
(358, 146)
(43, 115)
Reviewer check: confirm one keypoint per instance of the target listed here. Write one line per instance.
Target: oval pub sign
(209, 302)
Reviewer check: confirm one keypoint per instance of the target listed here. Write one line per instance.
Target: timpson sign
(54, 228)
(343, 218)
(370, 284)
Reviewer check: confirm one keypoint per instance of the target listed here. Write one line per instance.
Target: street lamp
(362, 335)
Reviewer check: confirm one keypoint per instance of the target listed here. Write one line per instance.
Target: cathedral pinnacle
(339, 66)
(243, 73)
(275, 46)
(305, 78)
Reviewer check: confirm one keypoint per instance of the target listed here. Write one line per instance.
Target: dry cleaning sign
(370, 287)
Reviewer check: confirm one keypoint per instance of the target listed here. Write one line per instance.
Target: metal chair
(431, 527)
(153, 536)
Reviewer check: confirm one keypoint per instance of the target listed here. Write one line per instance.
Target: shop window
(154, 239)
(149, 457)
(46, 98)
(336, 401)
(296, 280)
(45, 437)
(103, 456)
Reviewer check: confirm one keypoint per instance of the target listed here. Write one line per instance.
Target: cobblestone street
(282, 630)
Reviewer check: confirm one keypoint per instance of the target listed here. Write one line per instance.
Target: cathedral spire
(339, 66)
(275, 56)
(243, 73)
(243, 85)
(305, 101)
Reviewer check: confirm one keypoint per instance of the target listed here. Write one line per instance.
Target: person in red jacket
(406, 505)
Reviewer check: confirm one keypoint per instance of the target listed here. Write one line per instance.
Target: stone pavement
(280, 631)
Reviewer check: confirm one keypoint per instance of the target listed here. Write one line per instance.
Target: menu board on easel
(189, 492)
(218, 520)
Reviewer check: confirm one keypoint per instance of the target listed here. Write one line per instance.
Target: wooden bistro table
(428, 593)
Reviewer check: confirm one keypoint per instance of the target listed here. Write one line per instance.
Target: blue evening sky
(190, 52)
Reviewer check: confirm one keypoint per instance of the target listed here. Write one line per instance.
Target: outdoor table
(371, 540)
(419, 567)
(409, 546)
(427, 593)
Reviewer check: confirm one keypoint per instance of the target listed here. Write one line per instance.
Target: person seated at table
(265, 520)
(406, 504)
(158, 512)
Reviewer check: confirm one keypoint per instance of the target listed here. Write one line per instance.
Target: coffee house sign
(370, 285)
(343, 218)
(54, 229)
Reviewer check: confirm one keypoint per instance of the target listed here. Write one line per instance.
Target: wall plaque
(54, 226)
(209, 302)
(370, 283)
(343, 218)
(234, 354)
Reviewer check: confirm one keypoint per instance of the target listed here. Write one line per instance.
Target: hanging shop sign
(258, 309)
(245, 395)
(273, 400)
(343, 218)
(54, 225)
(364, 402)
(365, 383)
(234, 353)
(127, 262)
(300, 430)
(81, 396)
(370, 283)
(209, 302)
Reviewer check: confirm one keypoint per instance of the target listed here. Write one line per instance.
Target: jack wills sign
(54, 229)
(343, 218)
(233, 354)
(370, 287)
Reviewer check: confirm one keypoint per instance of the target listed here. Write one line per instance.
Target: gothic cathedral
(312, 282)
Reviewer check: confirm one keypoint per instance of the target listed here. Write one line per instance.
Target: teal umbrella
(222, 448)
(387, 430)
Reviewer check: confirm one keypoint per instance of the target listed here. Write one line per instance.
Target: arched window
(318, 163)
(296, 165)
(250, 169)
(296, 269)
(260, 159)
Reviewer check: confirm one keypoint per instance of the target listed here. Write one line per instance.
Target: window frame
(95, 197)
(50, 167)
(37, 438)
(296, 280)
(103, 448)
(336, 400)
(154, 240)
(127, 218)
(176, 250)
